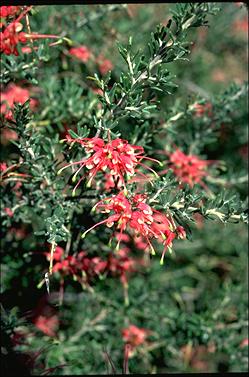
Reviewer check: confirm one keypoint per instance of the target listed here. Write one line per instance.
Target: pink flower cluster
(8, 11)
(117, 157)
(83, 53)
(105, 65)
(188, 168)
(118, 161)
(135, 215)
(14, 94)
(201, 110)
(135, 336)
(11, 35)
(85, 268)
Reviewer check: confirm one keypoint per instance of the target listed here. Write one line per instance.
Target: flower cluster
(48, 325)
(117, 158)
(82, 53)
(188, 168)
(15, 94)
(135, 336)
(84, 268)
(11, 35)
(241, 26)
(105, 65)
(74, 265)
(135, 215)
(8, 11)
(121, 264)
(200, 110)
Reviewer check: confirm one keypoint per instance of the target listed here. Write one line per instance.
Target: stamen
(147, 167)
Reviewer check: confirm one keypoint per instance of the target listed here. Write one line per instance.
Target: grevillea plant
(109, 166)
(140, 196)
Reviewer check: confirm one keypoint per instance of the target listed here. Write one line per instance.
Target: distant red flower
(218, 75)
(67, 265)
(18, 233)
(48, 325)
(9, 212)
(199, 220)
(105, 65)
(15, 94)
(121, 265)
(82, 53)
(241, 26)
(244, 343)
(135, 336)
(27, 49)
(205, 109)
(98, 91)
(3, 166)
(75, 264)
(117, 157)
(188, 168)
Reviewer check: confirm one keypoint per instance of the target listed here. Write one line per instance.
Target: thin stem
(53, 246)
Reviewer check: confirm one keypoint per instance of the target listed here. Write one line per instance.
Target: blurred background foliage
(196, 304)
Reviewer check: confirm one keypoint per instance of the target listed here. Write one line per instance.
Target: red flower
(58, 254)
(3, 166)
(47, 325)
(65, 265)
(9, 212)
(136, 215)
(244, 343)
(98, 91)
(7, 11)
(201, 110)
(241, 26)
(105, 65)
(14, 94)
(82, 53)
(188, 168)
(218, 75)
(18, 233)
(134, 335)
(117, 156)
(121, 265)
(75, 264)
(10, 38)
